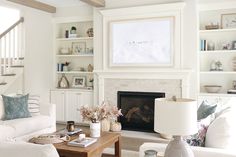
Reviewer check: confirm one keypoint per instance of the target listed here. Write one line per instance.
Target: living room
(77, 55)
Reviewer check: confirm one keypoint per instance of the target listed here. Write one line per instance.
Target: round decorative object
(115, 126)
(90, 68)
(63, 82)
(95, 129)
(106, 125)
(90, 32)
(50, 139)
(150, 153)
(73, 30)
(212, 88)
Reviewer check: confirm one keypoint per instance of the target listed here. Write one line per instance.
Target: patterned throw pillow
(198, 139)
(16, 107)
(34, 105)
(205, 109)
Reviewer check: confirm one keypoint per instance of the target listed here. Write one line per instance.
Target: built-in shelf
(79, 38)
(74, 72)
(79, 55)
(217, 94)
(218, 51)
(218, 72)
(218, 30)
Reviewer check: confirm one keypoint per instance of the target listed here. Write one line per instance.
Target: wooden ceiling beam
(95, 3)
(36, 4)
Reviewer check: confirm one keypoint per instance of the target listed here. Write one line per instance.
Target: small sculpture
(216, 66)
(63, 82)
(90, 32)
(90, 68)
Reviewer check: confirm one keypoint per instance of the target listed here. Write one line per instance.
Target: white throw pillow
(221, 132)
(34, 105)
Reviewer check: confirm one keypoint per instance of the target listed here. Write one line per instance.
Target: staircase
(11, 55)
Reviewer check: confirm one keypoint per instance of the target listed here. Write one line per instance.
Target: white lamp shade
(175, 117)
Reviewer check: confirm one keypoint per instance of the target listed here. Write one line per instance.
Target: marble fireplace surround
(171, 82)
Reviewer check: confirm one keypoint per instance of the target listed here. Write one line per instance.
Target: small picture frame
(228, 21)
(78, 81)
(233, 45)
(78, 47)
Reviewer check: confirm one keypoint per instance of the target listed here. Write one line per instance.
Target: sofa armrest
(198, 151)
(15, 150)
(49, 110)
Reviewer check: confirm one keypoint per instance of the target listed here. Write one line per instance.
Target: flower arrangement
(98, 113)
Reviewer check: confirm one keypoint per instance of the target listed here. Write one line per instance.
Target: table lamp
(176, 117)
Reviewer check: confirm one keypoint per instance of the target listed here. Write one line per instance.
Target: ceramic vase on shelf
(106, 125)
(63, 82)
(115, 126)
(95, 129)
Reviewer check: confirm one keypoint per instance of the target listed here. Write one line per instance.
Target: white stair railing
(11, 48)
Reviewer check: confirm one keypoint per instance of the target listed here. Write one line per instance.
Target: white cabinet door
(74, 100)
(58, 98)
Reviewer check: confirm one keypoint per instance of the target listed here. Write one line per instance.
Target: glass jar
(150, 153)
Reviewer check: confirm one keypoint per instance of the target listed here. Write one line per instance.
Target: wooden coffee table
(106, 140)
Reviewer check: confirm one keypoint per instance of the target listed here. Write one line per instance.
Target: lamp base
(178, 148)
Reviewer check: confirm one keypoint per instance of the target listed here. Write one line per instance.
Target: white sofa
(198, 151)
(25, 128)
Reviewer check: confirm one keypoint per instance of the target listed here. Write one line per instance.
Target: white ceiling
(63, 3)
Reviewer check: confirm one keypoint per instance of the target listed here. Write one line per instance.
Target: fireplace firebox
(138, 110)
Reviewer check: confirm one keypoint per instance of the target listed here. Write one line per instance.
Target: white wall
(189, 35)
(38, 50)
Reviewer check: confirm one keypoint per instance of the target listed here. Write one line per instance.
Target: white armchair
(198, 151)
(23, 149)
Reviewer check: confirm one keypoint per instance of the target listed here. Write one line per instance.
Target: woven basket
(50, 139)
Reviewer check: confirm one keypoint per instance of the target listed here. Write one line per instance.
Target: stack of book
(231, 91)
(84, 142)
(203, 45)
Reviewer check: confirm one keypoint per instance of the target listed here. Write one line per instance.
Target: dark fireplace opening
(138, 110)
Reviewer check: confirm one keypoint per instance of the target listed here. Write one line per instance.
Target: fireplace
(138, 110)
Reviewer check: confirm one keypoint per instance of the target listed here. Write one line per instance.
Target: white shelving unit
(218, 37)
(79, 53)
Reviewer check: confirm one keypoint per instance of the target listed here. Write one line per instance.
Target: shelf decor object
(177, 117)
(212, 88)
(228, 21)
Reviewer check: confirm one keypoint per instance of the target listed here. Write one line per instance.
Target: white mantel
(181, 75)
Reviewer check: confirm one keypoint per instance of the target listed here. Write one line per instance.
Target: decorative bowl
(212, 88)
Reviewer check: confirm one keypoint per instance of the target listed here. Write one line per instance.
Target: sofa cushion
(6, 132)
(25, 126)
(16, 107)
(221, 133)
(205, 109)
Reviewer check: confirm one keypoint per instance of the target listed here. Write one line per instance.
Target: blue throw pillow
(16, 107)
(205, 109)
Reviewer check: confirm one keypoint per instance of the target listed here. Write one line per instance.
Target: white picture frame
(78, 81)
(142, 42)
(228, 21)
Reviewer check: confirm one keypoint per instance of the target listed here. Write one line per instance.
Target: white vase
(95, 129)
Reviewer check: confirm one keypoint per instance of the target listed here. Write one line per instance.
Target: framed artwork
(78, 47)
(228, 21)
(142, 42)
(78, 81)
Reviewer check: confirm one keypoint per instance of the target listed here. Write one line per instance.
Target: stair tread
(3, 83)
(12, 74)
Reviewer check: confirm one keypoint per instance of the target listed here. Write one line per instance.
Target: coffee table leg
(117, 148)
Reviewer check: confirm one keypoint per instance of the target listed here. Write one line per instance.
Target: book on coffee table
(64, 131)
(82, 142)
